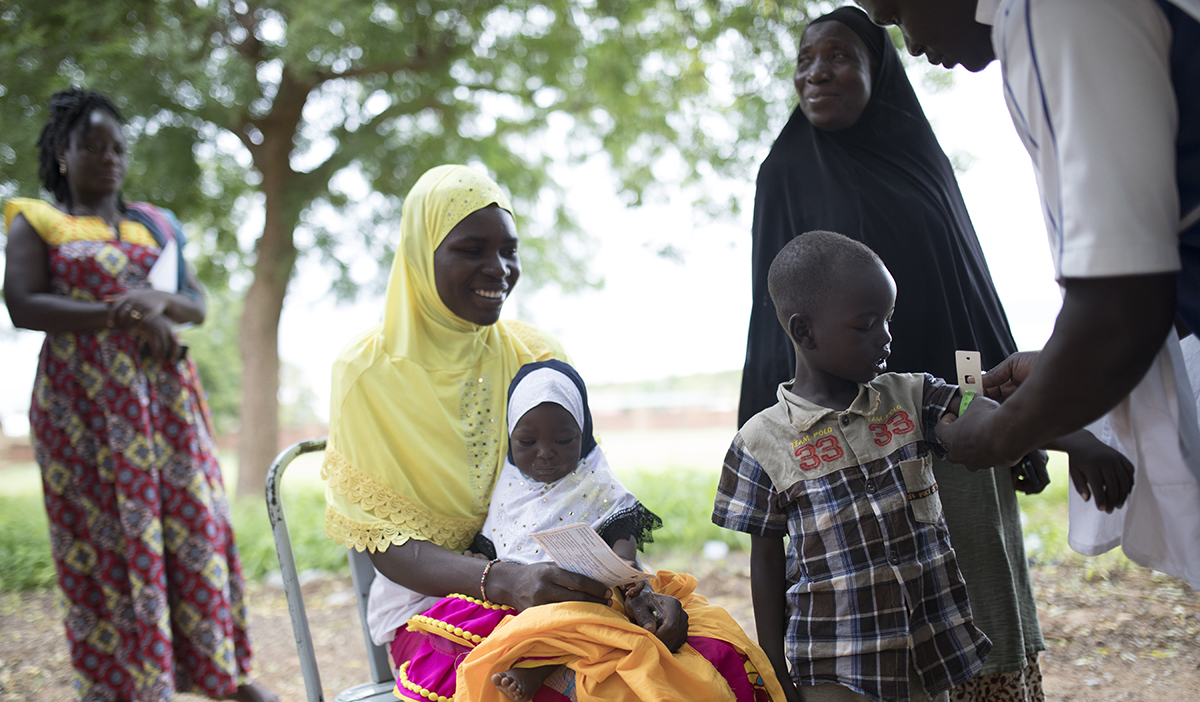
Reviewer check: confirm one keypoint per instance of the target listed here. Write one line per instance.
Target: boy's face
(849, 338)
(546, 443)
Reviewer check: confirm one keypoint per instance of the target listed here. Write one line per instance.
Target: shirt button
(845, 419)
(893, 557)
(871, 487)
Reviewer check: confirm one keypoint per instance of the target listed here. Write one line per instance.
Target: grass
(680, 493)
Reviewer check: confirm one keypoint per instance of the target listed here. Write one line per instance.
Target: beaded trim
(410, 685)
(430, 622)
(485, 605)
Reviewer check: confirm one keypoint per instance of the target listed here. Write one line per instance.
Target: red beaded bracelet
(483, 578)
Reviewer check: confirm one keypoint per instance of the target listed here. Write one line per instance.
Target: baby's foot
(520, 684)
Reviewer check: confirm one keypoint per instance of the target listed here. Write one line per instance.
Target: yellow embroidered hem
(409, 684)
(478, 602)
(404, 518)
(377, 536)
(459, 635)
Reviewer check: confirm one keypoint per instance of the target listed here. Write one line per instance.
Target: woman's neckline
(112, 226)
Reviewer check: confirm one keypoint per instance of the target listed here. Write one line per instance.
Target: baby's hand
(1098, 469)
(661, 615)
(635, 589)
(472, 554)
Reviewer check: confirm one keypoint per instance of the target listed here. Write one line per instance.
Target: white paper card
(164, 274)
(970, 372)
(579, 549)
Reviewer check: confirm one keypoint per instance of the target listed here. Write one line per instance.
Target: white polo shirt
(1088, 85)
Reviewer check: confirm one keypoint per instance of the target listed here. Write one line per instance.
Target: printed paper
(579, 549)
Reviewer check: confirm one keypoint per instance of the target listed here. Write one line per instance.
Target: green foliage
(683, 499)
(306, 526)
(213, 348)
(24, 535)
(227, 99)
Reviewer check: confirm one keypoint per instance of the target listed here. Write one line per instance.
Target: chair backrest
(361, 572)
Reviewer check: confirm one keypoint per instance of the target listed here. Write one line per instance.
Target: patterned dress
(139, 520)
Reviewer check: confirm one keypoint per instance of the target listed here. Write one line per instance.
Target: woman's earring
(62, 167)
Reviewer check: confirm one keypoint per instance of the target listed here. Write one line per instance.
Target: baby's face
(546, 443)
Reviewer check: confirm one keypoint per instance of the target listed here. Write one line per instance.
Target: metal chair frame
(361, 573)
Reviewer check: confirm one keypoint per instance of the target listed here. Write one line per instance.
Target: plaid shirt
(873, 585)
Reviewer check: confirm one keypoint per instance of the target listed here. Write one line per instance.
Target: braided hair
(67, 109)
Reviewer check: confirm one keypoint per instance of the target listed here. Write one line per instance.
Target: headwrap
(860, 24)
(551, 386)
(416, 417)
(591, 493)
(886, 182)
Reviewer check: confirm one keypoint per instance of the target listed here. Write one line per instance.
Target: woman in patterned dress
(139, 519)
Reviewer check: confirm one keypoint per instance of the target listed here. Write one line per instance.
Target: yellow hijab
(416, 422)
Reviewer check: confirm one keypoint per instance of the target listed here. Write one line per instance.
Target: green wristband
(966, 400)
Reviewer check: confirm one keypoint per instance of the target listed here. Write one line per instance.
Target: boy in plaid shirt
(865, 601)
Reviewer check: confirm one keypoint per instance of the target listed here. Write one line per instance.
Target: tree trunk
(258, 440)
(275, 258)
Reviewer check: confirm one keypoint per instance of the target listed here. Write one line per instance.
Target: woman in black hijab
(859, 157)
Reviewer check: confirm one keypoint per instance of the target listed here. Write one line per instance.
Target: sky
(657, 317)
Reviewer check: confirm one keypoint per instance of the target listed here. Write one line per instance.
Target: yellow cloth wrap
(614, 659)
(416, 426)
(57, 227)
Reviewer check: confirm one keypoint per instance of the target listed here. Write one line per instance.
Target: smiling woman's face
(833, 76)
(476, 265)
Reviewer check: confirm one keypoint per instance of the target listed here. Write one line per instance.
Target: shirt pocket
(922, 489)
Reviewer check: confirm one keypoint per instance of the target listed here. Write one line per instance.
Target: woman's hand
(137, 306)
(661, 615)
(159, 335)
(525, 586)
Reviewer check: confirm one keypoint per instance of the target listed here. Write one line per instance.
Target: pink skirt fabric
(427, 654)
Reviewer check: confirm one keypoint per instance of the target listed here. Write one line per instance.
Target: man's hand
(969, 438)
(1003, 380)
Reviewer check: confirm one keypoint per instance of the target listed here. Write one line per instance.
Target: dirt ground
(1131, 636)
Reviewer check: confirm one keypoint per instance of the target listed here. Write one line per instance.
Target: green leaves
(226, 98)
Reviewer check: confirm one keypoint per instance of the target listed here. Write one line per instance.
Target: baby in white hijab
(555, 473)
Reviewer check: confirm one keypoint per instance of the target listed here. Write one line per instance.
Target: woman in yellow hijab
(417, 432)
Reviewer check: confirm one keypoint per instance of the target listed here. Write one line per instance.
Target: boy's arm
(1029, 475)
(768, 586)
(1096, 469)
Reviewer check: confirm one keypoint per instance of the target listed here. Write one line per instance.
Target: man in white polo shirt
(1105, 94)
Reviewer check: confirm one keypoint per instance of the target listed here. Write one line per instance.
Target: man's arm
(1107, 335)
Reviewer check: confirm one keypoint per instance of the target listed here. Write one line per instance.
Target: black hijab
(886, 182)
